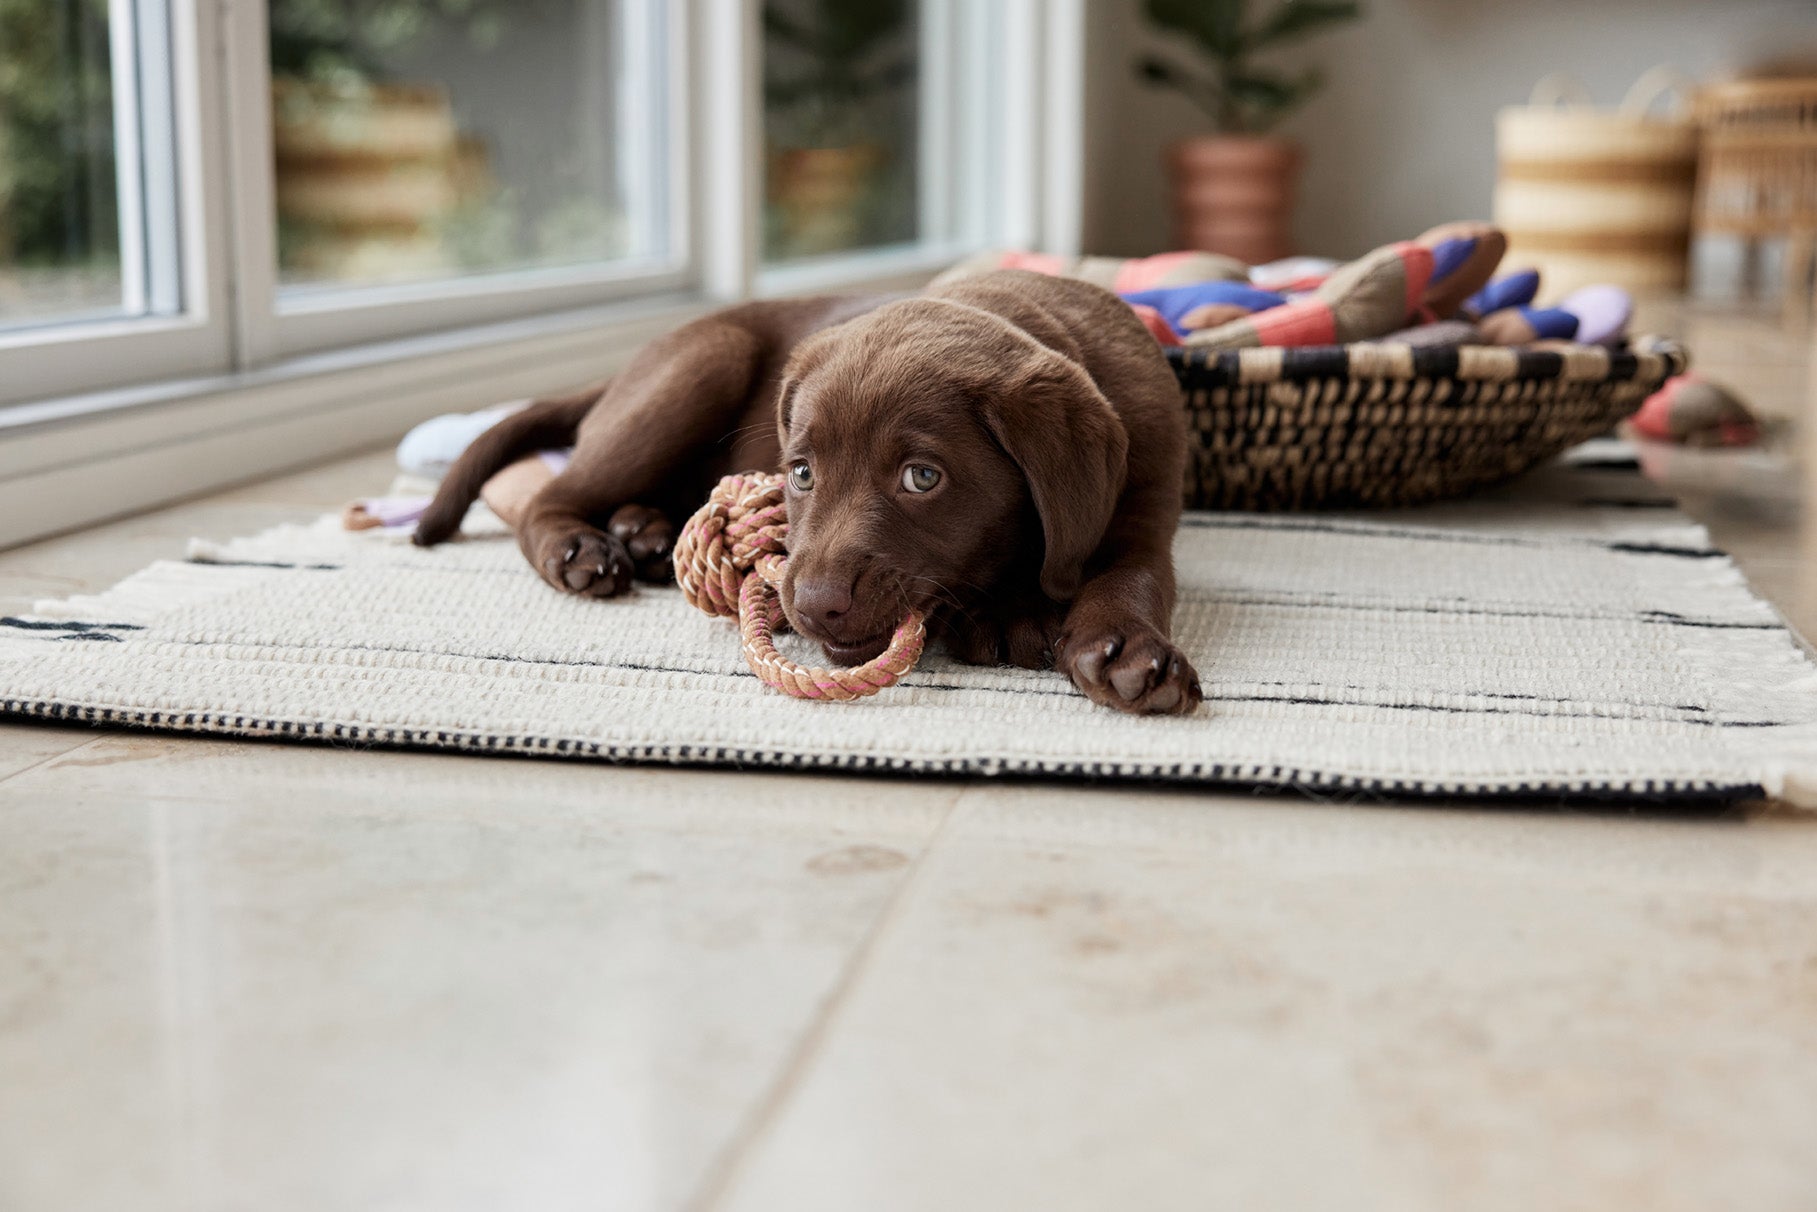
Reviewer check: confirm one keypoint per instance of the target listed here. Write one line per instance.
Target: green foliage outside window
(355, 40)
(840, 56)
(57, 200)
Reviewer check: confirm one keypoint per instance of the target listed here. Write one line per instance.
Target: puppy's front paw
(1133, 668)
(586, 562)
(649, 537)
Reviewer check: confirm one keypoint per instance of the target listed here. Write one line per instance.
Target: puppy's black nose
(823, 600)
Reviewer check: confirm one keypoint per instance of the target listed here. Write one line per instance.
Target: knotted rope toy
(729, 561)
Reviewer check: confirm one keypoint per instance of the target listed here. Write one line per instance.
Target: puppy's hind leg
(676, 399)
(544, 424)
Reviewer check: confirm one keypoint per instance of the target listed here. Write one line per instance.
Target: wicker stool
(1757, 175)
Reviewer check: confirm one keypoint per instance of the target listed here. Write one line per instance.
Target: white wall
(1402, 136)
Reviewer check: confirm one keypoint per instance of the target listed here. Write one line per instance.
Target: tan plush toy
(1366, 299)
(1693, 410)
(1119, 274)
(1452, 284)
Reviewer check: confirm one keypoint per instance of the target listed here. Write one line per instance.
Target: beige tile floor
(241, 976)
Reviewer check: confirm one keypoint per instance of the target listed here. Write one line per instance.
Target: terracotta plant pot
(1234, 194)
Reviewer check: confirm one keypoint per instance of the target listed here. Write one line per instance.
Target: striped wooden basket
(1589, 195)
(1377, 425)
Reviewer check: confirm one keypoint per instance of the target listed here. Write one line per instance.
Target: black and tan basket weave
(1375, 425)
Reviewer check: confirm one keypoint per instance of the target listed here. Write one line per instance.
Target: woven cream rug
(1570, 635)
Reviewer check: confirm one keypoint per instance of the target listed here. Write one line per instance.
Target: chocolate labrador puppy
(1003, 453)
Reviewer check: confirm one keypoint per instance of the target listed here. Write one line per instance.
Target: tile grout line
(51, 757)
(768, 1111)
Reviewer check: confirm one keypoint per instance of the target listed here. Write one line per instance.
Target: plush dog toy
(1693, 410)
(1365, 299)
(1204, 304)
(1517, 289)
(1437, 289)
(1465, 256)
(1524, 325)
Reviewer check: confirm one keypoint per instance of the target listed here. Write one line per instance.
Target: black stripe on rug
(70, 625)
(1312, 783)
(1366, 531)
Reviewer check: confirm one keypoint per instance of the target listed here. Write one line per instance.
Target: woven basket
(1376, 425)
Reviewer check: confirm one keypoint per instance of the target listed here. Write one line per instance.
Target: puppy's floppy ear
(1074, 453)
(785, 407)
(804, 361)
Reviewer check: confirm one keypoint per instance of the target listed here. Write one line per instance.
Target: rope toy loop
(729, 561)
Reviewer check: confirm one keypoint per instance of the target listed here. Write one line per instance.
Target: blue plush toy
(1510, 290)
(1448, 256)
(1522, 325)
(1204, 304)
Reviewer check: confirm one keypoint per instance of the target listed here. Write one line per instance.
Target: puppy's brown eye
(801, 476)
(917, 478)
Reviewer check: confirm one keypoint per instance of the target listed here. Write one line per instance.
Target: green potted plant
(827, 64)
(1234, 190)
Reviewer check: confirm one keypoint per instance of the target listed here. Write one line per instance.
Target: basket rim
(1648, 359)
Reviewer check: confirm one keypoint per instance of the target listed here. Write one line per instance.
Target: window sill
(897, 267)
(72, 462)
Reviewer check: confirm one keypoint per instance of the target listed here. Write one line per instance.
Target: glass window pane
(841, 111)
(425, 139)
(59, 198)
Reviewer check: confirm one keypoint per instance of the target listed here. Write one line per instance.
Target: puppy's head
(930, 451)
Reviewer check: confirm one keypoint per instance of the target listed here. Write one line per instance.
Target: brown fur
(1045, 408)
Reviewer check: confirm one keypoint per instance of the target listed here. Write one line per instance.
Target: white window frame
(277, 323)
(181, 212)
(235, 386)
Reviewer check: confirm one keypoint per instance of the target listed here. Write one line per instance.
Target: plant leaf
(1269, 97)
(1216, 25)
(1262, 90)
(1298, 19)
(1202, 92)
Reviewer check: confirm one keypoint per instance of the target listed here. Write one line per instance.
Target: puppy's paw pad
(649, 537)
(1133, 669)
(589, 564)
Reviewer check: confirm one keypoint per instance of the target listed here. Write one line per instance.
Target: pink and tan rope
(729, 561)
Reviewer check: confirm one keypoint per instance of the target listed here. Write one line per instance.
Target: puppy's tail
(540, 426)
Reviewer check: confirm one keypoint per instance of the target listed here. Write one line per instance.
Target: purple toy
(1602, 313)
